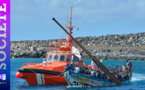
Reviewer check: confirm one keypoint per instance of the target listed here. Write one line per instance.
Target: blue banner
(4, 44)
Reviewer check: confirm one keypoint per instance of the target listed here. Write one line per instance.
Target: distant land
(108, 47)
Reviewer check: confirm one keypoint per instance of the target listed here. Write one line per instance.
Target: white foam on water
(137, 77)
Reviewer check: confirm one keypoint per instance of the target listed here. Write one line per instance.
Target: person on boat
(108, 78)
(82, 69)
(86, 70)
(97, 74)
(72, 67)
(116, 76)
(126, 75)
(117, 67)
(123, 75)
(103, 75)
(110, 70)
(130, 66)
(77, 69)
(93, 73)
(69, 68)
(89, 69)
(109, 67)
(93, 65)
(116, 70)
(120, 69)
(120, 77)
(123, 67)
(100, 73)
(127, 64)
(44, 62)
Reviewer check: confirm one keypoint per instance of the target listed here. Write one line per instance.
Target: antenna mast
(70, 28)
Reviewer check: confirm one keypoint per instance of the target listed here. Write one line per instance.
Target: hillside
(109, 47)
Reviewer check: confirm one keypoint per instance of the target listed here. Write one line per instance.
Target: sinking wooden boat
(82, 80)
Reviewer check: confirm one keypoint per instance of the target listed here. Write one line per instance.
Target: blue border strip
(4, 44)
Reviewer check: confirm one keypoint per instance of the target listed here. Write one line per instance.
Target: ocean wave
(137, 77)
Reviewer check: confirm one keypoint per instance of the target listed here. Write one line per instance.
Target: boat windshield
(62, 57)
(50, 57)
(68, 58)
(55, 58)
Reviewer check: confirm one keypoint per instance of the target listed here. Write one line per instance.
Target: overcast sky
(32, 19)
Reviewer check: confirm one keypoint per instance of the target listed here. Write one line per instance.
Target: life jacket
(107, 77)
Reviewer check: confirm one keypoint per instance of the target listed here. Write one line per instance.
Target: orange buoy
(18, 75)
(89, 66)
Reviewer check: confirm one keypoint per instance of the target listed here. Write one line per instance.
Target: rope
(62, 36)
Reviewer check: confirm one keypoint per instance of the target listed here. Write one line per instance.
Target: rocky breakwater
(30, 49)
(109, 47)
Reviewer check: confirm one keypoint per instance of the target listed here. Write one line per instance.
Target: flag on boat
(76, 52)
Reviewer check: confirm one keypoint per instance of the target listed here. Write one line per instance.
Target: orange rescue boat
(56, 61)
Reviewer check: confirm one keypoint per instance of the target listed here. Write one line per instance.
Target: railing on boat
(58, 44)
(30, 64)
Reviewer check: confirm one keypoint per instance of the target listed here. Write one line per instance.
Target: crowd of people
(120, 72)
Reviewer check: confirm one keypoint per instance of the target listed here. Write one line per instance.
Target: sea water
(138, 77)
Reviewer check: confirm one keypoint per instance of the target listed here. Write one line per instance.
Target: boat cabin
(61, 56)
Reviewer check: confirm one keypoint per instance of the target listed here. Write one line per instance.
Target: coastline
(109, 47)
(100, 58)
